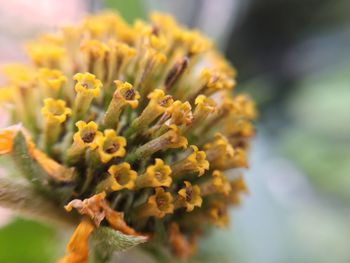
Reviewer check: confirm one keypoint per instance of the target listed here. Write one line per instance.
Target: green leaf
(32, 170)
(106, 241)
(27, 165)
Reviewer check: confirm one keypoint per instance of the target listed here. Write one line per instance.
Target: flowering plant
(130, 126)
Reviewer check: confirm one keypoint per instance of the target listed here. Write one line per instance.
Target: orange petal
(116, 220)
(78, 246)
(6, 141)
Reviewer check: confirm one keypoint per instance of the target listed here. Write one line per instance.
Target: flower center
(161, 203)
(129, 94)
(189, 194)
(110, 147)
(88, 136)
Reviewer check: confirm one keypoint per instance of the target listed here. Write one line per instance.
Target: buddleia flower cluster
(130, 129)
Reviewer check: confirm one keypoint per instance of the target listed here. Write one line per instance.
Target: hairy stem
(20, 197)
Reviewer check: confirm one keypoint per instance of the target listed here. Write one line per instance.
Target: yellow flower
(110, 146)
(218, 151)
(6, 94)
(215, 81)
(193, 41)
(190, 196)
(124, 95)
(155, 176)
(87, 87)
(194, 163)
(122, 177)
(52, 78)
(218, 183)
(19, 74)
(171, 139)
(87, 134)
(158, 205)
(238, 187)
(48, 55)
(180, 113)
(245, 106)
(120, 54)
(218, 214)
(55, 110)
(157, 105)
(87, 84)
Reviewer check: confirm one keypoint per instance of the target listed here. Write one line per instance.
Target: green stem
(20, 197)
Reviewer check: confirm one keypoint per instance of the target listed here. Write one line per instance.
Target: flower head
(120, 104)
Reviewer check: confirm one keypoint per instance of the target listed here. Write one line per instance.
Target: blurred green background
(293, 56)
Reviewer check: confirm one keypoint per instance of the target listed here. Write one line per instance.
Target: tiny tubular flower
(171, 139)
(87, 88)
(158, 104)
(217, 184)
(218, 149)
(193, 41)
(110, 145)
(55, 113)
(51, 80)
(218, 214)
(245, 106)
(176, 72)
(205, 107)
(85, 138)
(239, 160)
(124, 95)
(196, 162)
(158, 205)
(239, 187)
(93, 48)
(87, 84)
(95, 52)
(120, 55)
(155, 176)
(78, 246)
(19, 74)
(241, 128)
(48, 55)
(87, 134)
(215, 81)
(189, 196)
(120, 177)
(180, 113)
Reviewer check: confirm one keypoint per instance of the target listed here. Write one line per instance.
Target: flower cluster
(135, 124)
